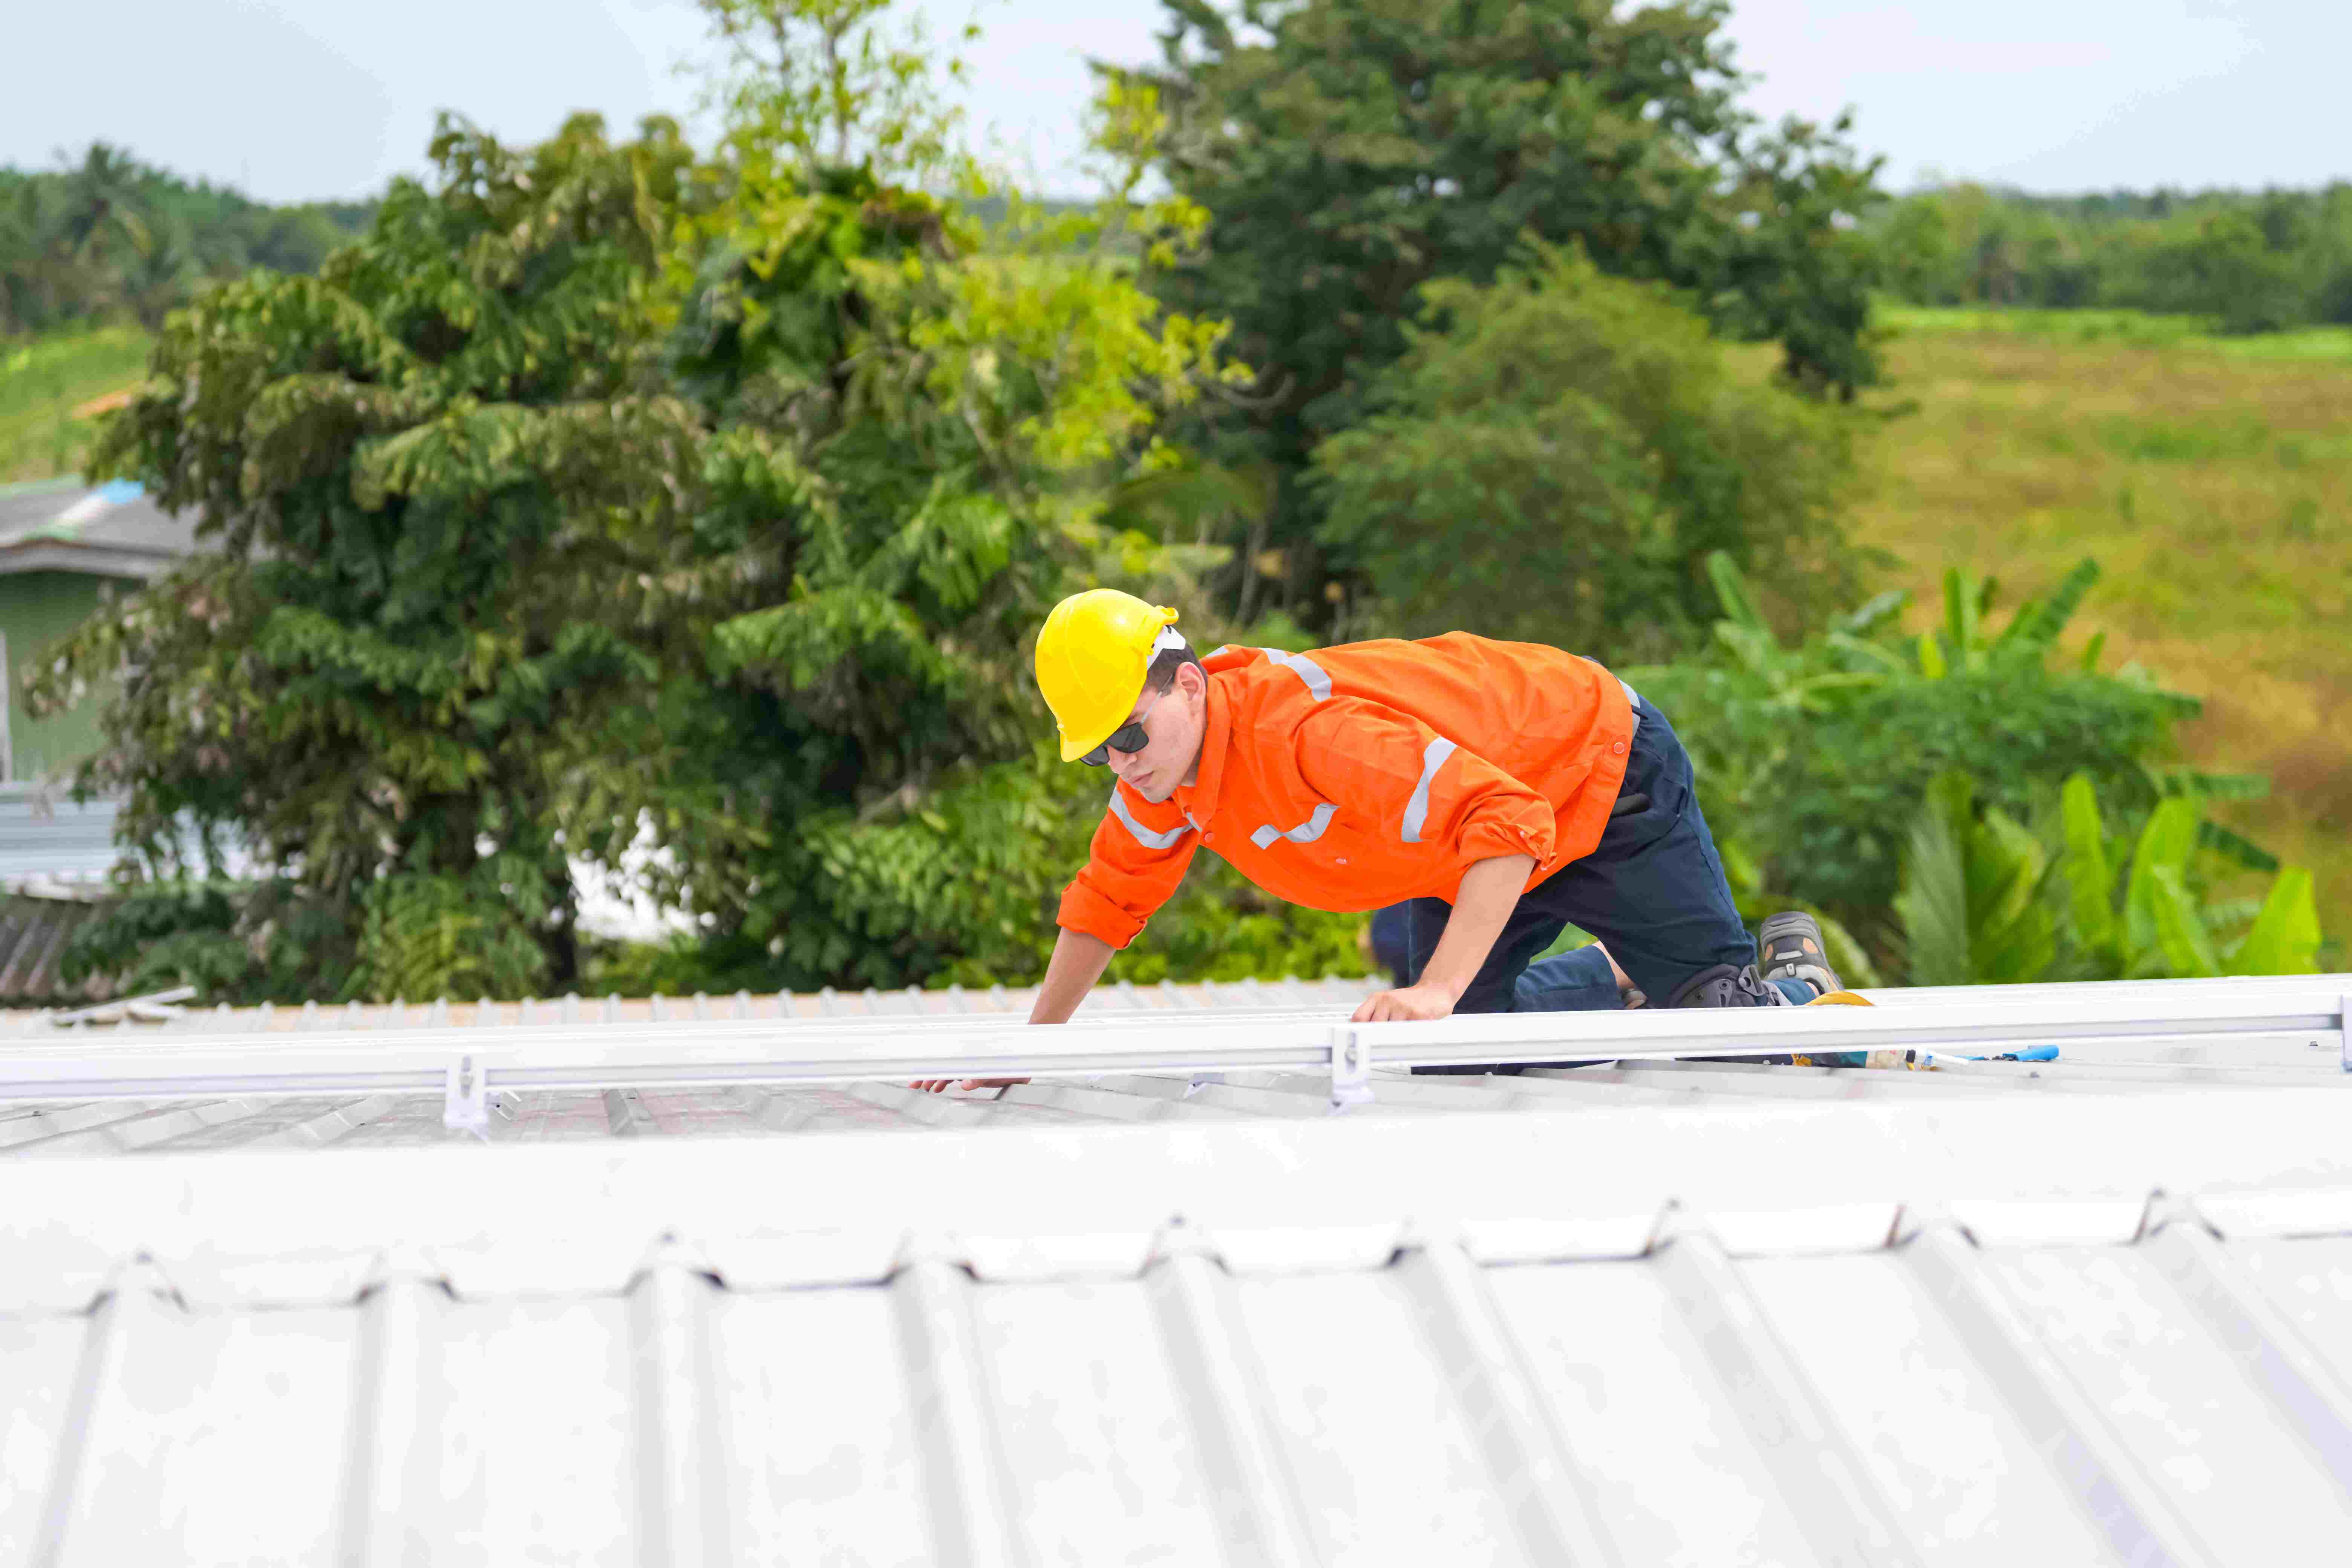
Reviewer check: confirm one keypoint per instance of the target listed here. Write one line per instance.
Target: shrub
(1987, 900)
(1813, 758)
(1557, 454)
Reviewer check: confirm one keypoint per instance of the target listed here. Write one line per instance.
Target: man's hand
(940, 1085)
(1411, 1004)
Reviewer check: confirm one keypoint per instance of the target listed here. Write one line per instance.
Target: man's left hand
(1407, 1004)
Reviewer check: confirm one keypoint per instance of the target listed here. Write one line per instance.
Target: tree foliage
(2251, 261)
(436, 486)
(1349, 152)
(1816, 754)
(1559, 453)
(108, 236)
(1987, 900)
(610, 495)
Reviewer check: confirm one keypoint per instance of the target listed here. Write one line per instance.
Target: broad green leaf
(2216, 786)
(2164, 845)
(2089, 883)
(1933, 901)
(1873, 613)
(1931, 656)
(1732, 593)
(1885, 658)
(2180, 933)
(2038, 625)
(2235, 847)
(2285, 936)
(2013, 860)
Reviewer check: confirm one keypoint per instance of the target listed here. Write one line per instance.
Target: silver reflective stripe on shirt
(1143, 835)
(1416, 810)
(1306, 832)
(1319, 685)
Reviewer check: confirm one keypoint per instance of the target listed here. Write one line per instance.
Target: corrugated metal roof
(34, 932)
(1933, 1330)
(2096, 1309)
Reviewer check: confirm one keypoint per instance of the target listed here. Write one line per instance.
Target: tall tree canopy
(436, 484)
(611, 494)
(1557, 455)
(1347, 152)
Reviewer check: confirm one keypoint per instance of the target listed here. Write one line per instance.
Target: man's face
(1176, 720)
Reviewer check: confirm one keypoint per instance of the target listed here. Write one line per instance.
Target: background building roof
(112, 530)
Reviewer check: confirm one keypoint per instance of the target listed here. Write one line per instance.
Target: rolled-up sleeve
(1138, 859)
(1419, 787)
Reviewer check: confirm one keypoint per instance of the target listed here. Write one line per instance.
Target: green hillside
(44, 380)
(2212, 477)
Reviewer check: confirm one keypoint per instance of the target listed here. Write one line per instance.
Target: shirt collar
(1199, 803)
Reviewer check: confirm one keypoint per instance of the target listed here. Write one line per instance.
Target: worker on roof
(1499, 791)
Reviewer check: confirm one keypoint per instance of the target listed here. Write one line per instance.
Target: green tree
(1348, 152)
(1557, 455)
(607, 496)
(914, 429)
(434, 483)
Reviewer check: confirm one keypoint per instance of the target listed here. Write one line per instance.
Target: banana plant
(1971, 901)
(1965, 645)
(1986, 901)
(2161, 927)
(1800, 678)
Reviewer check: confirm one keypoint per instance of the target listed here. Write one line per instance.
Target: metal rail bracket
(1351, 1068)
(465, 1102)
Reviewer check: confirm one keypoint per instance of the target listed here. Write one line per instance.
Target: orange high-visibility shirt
(1356, 776)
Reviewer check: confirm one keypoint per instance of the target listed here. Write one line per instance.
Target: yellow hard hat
(1092, 656)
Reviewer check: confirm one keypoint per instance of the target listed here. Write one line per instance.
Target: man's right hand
(1077, 963)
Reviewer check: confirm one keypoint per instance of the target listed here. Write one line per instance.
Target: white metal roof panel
(1666, 1310)
(1365, 1341)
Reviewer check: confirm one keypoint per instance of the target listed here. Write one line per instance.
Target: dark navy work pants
(1652, 892)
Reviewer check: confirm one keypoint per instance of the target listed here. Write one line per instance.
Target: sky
(292, 100)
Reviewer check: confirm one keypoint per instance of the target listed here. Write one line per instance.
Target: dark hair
(1161, 675)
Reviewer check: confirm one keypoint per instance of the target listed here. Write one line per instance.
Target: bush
(1813, 759)
(1557, 454)
(234, 942)
(1987, 900)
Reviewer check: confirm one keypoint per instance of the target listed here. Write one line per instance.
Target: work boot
(1789, 946)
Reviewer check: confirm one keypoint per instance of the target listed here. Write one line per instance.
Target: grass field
(2212, 480)
(42, 382)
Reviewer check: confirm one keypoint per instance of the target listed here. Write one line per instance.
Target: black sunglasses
(1128, 738)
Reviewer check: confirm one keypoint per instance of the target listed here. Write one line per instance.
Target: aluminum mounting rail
(469, 1063)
